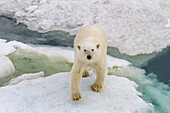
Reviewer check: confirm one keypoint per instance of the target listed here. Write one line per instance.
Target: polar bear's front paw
(85, 74)
(76, 96)
(97, 87)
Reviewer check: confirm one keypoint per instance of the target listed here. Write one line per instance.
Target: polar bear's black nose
(89, 57)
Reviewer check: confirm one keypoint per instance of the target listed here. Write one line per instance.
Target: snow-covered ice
(6, 67)
(51, 94)
(132, 26)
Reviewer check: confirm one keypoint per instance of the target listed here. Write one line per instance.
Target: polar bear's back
(91, 32)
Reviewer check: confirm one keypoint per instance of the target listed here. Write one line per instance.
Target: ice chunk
(31, 9)
(3, 40)
(6, 67)
(112, 61)
(23, 77)
(19, 45)
(51, 94)
(168, 23)
(5, 49)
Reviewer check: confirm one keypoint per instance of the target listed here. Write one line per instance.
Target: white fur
(90, 40)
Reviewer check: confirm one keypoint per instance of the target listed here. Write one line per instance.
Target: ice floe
(51, 94)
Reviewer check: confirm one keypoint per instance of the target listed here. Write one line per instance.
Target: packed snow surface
(132, 26)
(51, 94)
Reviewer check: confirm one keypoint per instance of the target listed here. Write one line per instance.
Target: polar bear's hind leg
(85, 73)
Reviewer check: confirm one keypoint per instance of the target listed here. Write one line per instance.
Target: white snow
(132, 26)
(23, 77)
(6, 67)
(51, 94)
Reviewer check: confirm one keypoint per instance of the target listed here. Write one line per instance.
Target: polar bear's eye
(85, 50)
(92, 50)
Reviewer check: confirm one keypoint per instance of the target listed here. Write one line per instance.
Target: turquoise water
(153, 91)
(153, 83)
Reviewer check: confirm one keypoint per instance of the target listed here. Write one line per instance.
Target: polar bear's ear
(98, 45)
(78, 47)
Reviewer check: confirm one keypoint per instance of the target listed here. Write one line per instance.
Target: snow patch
(51, 94)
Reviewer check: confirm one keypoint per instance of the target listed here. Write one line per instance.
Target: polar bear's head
(88, 51)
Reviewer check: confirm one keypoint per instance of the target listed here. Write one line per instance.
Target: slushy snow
(132, 26)
(51, 94)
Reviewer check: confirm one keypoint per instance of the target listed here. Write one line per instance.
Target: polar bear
(90, 46)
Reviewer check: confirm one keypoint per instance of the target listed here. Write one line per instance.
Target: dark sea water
(160, 65)
(156, 65)
(10, 30)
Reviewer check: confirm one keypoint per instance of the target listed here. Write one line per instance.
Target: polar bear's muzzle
(88, 57)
